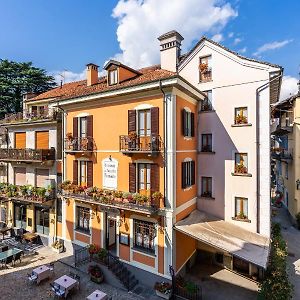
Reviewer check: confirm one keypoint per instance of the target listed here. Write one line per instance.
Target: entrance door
(42, 220)
(144, 129)
(20, 215)
(111, 234)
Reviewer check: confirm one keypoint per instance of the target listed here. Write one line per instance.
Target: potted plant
(203, 67)
(241, 119)
(163, 289)
(58, 246)
(156, 197)
(93, 249)
(241, 216)
(96, 273)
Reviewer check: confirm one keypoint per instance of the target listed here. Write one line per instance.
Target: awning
(226, 236)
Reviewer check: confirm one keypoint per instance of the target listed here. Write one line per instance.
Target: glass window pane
(141, 123)
(148, 127)
(148, 177)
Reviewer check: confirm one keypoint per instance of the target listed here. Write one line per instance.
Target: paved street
(292, 237)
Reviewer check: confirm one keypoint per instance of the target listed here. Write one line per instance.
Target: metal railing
(281, 153)
(152, 143)
(206, 75)
(80, 144)
(27, 115)
(38, 155)
(81, 256)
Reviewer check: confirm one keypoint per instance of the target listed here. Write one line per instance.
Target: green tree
(18, 78)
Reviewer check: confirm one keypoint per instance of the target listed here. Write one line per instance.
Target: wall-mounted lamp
(298, 184)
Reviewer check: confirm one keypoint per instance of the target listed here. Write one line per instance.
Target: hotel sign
(110, 173)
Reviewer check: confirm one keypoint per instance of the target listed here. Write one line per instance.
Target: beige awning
(226, 236)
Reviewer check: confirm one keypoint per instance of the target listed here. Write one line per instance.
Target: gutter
(258, 91)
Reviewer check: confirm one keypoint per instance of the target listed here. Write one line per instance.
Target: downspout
(258, 90)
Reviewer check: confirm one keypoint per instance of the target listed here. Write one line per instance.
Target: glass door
(144, 175)
(42, 220)
(20, 216)
(144, 129)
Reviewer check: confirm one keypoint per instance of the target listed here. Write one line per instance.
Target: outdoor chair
(51, 266)
(32, 278)
(72, 274)
(17, 257)
(5, 248)
(8, 260)
(60, 293)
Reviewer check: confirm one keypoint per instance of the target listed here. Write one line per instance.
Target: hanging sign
(110, 173)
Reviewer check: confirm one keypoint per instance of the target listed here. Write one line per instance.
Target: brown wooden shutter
(132, 178)
(131, 121)
(183, 122)
(154, 178)
(155, 121)
(42, 140)
(89, 173)
(89, 122)
(75, 127)
(20, 140)
(183, 177)
(75, 172)
(193, 172)
(192, 124)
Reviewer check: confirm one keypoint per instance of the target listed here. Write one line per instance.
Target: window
(41, 177)
(241, 163)
(144, 123)
(113, 77)
(188, 174)
(42, 220)
(206, 187)
(205, 69)
(20, 176)
(188, 123)
(83, 173)
(144, 234)
(206, 104)
(83, 127)
(144, 179)
(286, 171)
(241, 115)
(206, 142)
(19, 215)
(241, 208)
(59, 210)
(83, 218)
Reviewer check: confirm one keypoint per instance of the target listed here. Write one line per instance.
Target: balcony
(130, 144)
(79, 144)
(206, 75)
(108, 199)
(282, 154)
(27, 155)
(48, 114)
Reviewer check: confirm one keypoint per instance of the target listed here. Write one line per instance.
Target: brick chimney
(170, 47)
(91, 74)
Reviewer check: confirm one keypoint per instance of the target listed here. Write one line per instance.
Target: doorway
(111, 233)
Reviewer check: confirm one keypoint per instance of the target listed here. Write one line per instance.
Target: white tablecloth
(97, 295)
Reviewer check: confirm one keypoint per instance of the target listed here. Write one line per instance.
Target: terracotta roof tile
(79, 88)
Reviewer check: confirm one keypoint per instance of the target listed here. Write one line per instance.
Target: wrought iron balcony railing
(282, 154)
(29, 155)
(26, 115)
(140, 144)
(80, 144)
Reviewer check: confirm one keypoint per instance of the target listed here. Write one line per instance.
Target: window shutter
(20, 140)
(75, 127)
(131, 121)
(183, 177)
(183, 122)
(192, 124)
(132, 178)
(154, 178)
(89, 125)
(42, 140)
(193, 172)
(75, 172)
(89, 173)
(155, 121)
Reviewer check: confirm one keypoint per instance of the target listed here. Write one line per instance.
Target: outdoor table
(97, 295)
(8, 253)
(30, 237)
(66, 283)
(42, 273)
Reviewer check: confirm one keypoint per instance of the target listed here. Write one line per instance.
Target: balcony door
(83, 173)
(144, 128)
(83, 127)
(144, 179)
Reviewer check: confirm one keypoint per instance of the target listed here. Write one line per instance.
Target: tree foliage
(18, 78)
(276, 284)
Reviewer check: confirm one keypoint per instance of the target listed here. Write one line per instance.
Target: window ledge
(206, 111)
(187, 188)
(241, 174)
(207, 197)
(188, 138)
(241, 125)
(145, 252)
(78, 230)
(205, 81)
(241, 220)
(206, 152)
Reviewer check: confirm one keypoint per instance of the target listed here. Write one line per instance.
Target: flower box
(97, 279)
(58, 250)
(162, 295)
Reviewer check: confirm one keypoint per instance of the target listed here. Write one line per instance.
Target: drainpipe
(258, 91)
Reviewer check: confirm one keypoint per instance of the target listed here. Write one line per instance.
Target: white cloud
(140, 22)
(218, 38)
(237, 41)
(243, 50)
(271, 46)
(289, 87)
(68, 76)
(230, 34)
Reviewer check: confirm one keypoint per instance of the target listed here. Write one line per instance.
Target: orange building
(129, 163)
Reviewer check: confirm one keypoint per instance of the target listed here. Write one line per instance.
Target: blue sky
(66, 34)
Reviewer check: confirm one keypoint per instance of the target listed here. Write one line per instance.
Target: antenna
(63, 77)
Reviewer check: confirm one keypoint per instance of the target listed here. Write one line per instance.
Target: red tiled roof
(79, 88)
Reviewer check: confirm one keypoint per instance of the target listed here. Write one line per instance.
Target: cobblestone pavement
(14, 284)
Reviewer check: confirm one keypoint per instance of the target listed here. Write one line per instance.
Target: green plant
(163, 287)
(276, 284)
(137, 197)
